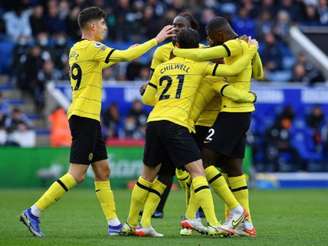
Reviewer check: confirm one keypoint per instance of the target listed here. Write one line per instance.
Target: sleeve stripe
(221, 91)
(152, 85)
(108, 56)
(214, 70)
(227, 49)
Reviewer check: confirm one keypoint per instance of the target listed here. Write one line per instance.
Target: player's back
(177, 82)
(86, 79)
(241, 81)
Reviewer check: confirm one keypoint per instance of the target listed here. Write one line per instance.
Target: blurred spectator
(16, 118)
(244, 24)
(55, 19)
(3, 133)
(311, 16)
(316, 118)
(282, 24)
(292, 8)
(131, 128)
(59, 128)
(110, 121)
(19, 129)
(17, 22)
(138, 113)
(4, 106)
(279, 149)
(264, 24)
(37, 20)
(271, 54)
(323, 11)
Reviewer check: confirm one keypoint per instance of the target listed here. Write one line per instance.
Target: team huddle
(202, 107)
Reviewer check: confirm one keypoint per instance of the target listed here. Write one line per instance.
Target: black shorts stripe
(214, 70)
(221, 91)
(215, 177)
(62, 184)
(239, 188)
(108, 56)
(201, 188)
(149, 189)
(227, 49)
(152, 85)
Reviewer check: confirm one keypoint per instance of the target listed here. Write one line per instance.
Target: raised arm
(229, 48)
(234, 68)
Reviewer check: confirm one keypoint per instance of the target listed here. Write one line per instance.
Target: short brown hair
(88, 14)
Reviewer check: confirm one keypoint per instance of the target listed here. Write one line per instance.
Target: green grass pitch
(282, 217)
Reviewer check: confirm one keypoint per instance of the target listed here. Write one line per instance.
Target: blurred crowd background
(35, 37)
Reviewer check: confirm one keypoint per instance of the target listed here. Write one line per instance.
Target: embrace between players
(202, 111)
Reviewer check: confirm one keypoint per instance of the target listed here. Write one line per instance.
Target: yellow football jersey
(207, 99)
(86, 60)
(173, 86)
(242, 81)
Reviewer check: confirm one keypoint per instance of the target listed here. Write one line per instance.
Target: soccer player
(227, 138)
(208, 94)
(162, 54)
(172, 90)
(87, 58)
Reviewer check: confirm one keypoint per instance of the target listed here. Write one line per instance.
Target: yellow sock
(226, 208)
(56, 191)
(138, 197)
(204, 199)
(185, 182)
(153, 199)
(220, 186)
(106, 199)
(192, 207)
(239, 188)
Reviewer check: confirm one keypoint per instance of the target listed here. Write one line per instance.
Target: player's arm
(112, 55)
(257, 67)
(234, 68)
(149, 94)
(229, 48)
(235, 94)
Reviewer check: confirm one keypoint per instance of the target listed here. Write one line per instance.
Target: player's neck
(88, 36)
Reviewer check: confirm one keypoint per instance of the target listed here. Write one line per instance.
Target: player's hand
(142, 88)
(253, 45)
(244, 38)
(255, 96)
(166, 32)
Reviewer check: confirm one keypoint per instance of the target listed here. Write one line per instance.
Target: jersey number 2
(169, 80)
(76, 74)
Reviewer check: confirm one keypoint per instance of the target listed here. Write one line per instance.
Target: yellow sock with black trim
(239, 188)
(152, 201)
(226, 208)
(138, 197)
(185, 182)
(204, 199)
(56, 191)
(192, 207)
(220, 186)
(105, 197)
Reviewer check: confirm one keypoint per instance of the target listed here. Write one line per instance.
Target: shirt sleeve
(235, 94)
(149, 96)
(257, 67)
(232, 69)
(229, 48)
(106, 54)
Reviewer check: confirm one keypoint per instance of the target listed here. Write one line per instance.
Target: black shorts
(166, 140)
(200, 135)
(88, 145)
(228, 134)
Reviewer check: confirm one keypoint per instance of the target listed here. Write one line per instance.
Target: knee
(79, 178)
(103, 173)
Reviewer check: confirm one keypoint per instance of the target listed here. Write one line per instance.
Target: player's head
(188, 38)
(92, 20)
(184, 20)
(219, 31)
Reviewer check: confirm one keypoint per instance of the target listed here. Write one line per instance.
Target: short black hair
(217, 23)
(191, 19)
(188, 38)
(88, 14)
